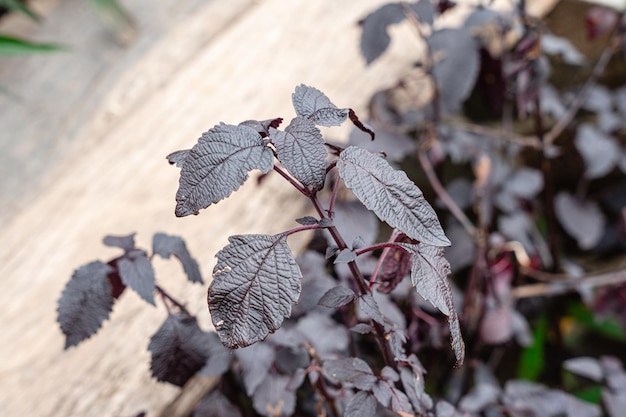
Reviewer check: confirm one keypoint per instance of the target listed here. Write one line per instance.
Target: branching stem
(359, 280)
(166, 296)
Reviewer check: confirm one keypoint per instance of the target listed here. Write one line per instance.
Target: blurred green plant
(10, 45)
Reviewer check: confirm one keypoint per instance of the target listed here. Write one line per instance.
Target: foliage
(339, 329)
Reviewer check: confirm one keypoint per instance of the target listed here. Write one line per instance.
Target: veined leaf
(126, 243)
(311, 103)
(166, 245)
(391, 195)
(429, 275)
(218, 164)
(136, 272)
(85, 302)
(453, 49)
(374, 36)
(352, 371)
(363, 404)
(10, 45)
(179, 349)
(255, 282)
(301, 150)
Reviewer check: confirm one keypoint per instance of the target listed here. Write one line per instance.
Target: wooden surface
(83, 140)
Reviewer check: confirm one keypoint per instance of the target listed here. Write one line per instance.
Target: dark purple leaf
(344, 256)
(166, 245)
(127, 243)
(297, 379)
(136, 272)
(219, 357)
(273, 399)
(311, 103)
(301, 150)
(358, 243)
(255, 283)
(85, 303)
(585, 366)
(399, 401)
(395, 267)
(614, 373)
(315, 282)
(255, 361)
(445, 409)
(518, 226)
(369, 307)
(361, 328)
(374, 36)
(352, 371)
(429, 275)
(525, 183)
(324, 334)
(413, 384)
(496, 326)
(462, 252)
(179, 349)
(382, 392)
(362, 404)
(218, 164)
(307, 220)
(453, 49)
(583, 220)
(615, 403)
(479, 398)
(391, 195)
(600, 152)
(290, 359)
(556, 45)
(216, 405)
(337, 297)
(390, 310)
(178, 157)
(263, 126)
(527, 398)
(389, 374)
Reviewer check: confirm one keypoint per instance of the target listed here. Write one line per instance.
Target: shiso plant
(257, 280)
(337, 330)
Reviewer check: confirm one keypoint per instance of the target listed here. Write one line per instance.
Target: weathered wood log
(91, 129)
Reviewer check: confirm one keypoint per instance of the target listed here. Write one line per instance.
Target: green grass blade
(18, 6)
(15, 46)
(531, 363)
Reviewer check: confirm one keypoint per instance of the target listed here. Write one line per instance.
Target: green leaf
(18, 6)
(532, 359)
(15, 46)
(591, 394)
(607, 326)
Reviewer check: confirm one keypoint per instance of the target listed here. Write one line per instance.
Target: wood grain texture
(86, 141)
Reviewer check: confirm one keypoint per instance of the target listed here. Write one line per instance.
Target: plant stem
(598, 69)
(443, 194)
(387, 246)
(359, 279)
(562, 284)
(166, 295)
(548, 192)
(291, 181)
